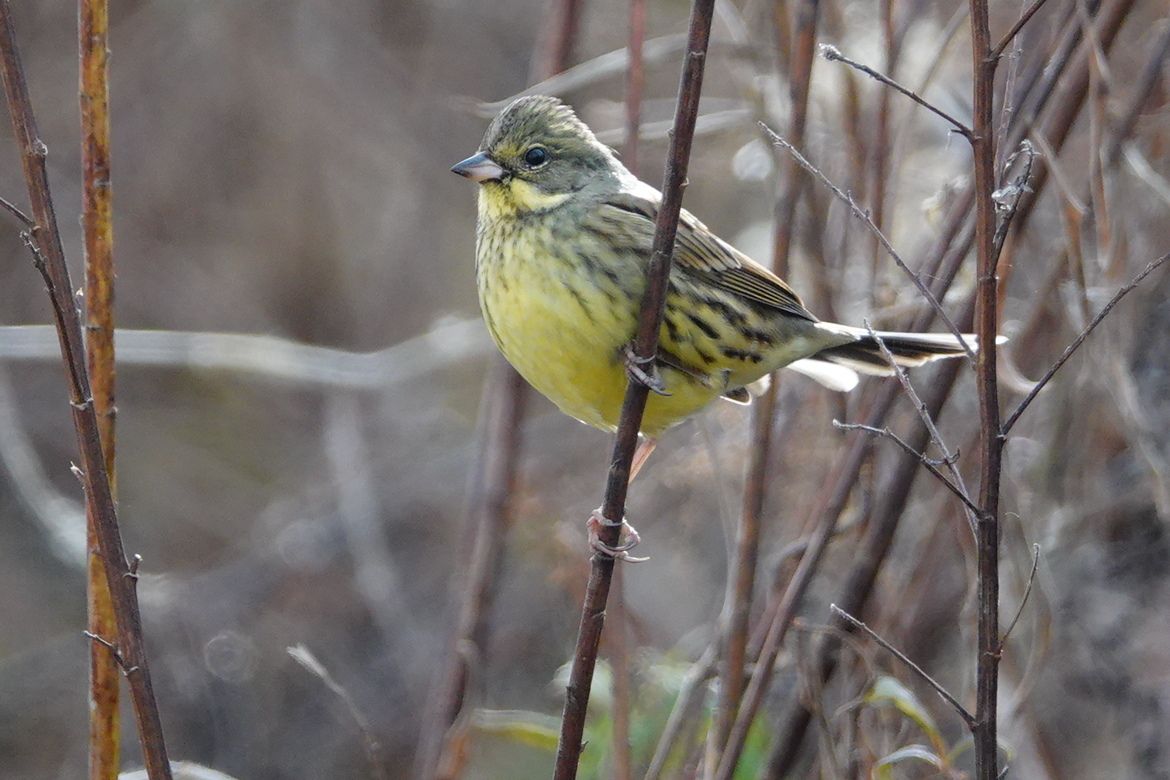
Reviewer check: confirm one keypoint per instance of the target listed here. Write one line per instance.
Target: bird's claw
(621, 551)
(646, 376)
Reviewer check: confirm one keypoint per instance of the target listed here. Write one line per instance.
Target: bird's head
(535, 155)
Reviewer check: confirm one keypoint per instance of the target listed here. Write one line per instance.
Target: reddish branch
(645, 347)
(97, 223)
(44, 241)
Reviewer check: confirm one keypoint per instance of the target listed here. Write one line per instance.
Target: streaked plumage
(563, 240)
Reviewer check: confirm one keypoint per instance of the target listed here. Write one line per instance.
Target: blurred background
(281, 174)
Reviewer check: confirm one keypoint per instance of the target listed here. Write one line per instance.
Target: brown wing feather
(701, 253)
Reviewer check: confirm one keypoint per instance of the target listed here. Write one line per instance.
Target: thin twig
(1024, 598)
(21, 217)
(920, 408)
(1076, 343)
(930, 465)
(967, 717)
(645, 346)
(833, 54)
(303, 656)
(686, 707)
(742, 573)
(49, 256)
(1006, 40)
(865, 217)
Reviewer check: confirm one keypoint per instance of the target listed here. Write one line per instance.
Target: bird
(563, 240)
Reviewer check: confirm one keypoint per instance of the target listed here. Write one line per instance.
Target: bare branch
(865, 217)
(44, 240)
(924, 414)
(686, 707)
(303, 656)
(931, 466)
(833, 54)
(1024, 598)
(645, 346)
(1076, 343)
(1006, 40)
(21, 217)
(967, 717)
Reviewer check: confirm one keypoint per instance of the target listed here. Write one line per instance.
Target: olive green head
(536, 152)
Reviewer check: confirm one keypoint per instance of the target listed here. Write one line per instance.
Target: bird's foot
(644, 371)
(621, 552)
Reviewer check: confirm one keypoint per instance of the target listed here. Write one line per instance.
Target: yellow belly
(564, 328)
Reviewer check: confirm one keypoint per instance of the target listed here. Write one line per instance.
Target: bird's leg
(643, 370)
(597, 521)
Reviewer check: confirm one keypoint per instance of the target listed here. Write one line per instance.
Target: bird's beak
(479, 168)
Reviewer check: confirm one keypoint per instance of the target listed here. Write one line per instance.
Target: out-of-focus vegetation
(280, 169)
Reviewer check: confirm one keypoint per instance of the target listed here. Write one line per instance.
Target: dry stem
(44, 241)
(645, 347)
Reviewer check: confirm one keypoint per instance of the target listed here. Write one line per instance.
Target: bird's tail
(908, 349)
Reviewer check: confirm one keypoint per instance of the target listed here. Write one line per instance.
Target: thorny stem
(645, 347)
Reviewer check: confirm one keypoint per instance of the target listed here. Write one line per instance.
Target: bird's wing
(698, 252)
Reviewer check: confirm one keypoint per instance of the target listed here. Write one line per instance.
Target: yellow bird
(563, 240)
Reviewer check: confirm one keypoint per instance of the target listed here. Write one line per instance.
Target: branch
(1024, 598)
(924, 414)
(374, 754)
(1006, 40)
(983, 66)
(645, 347)
(967, 717)
(1076, 343)
(930, 465)
(857, 211)
(833, 54)
(21, 217)
(686, 707)
(97, 223)
(618, 645)
(741, 579)
(45, 242)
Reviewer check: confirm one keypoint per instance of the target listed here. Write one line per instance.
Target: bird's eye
(536, 157)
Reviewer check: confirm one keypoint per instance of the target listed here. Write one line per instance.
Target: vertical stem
(991, 442)
(619, 649)
(97, 222)
(45, 241)
(741, 581)
(645, 347)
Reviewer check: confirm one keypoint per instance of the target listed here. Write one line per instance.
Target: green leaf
(884, 768)
(887, 690)
(534, 729)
